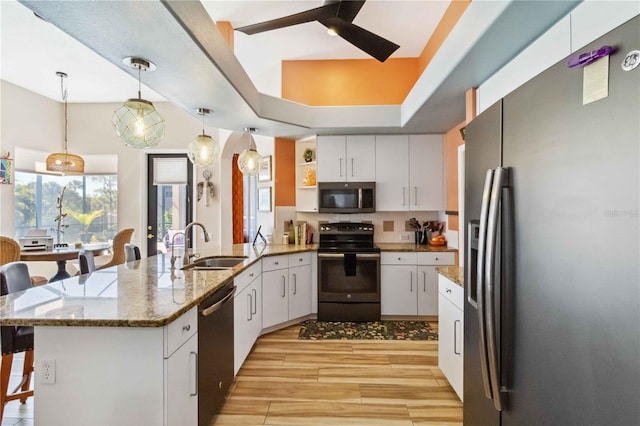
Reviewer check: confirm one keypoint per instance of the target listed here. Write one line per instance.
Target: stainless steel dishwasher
(215, 351)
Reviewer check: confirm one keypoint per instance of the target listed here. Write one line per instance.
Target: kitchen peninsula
(111, 338)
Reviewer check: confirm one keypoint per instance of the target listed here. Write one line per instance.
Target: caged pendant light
(137, 122)
(203, 151)
(249, 159)
(63, 162)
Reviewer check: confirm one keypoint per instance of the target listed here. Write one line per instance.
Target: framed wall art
(6, 171)
(264, 199)
(264, 175)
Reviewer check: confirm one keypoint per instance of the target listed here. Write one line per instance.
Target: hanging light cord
(203, 123)
(64, 98)
(139, 82)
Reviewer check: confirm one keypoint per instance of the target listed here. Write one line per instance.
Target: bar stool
(131, 253)
(14, 277)
(87, 262)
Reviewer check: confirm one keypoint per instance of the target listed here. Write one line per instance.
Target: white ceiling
(197, 69)
(32, 50)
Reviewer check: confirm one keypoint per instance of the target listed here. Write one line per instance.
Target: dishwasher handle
(216, 306)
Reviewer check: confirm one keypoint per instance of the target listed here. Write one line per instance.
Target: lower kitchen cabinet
(181, 369)
(450, 332)
(247, 317)
(286, 291)
(409, 282)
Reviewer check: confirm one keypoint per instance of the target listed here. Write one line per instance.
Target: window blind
(170, 171)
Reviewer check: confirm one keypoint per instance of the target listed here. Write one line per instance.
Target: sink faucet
(186, 259)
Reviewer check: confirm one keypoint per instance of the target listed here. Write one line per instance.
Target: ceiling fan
(336, 15)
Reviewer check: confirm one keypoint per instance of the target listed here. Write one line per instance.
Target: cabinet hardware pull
(448, 290)
(295, 284)
(216, 306)
(275, 263)
(415, 195)
(250, 311)
(403, 196)
(195, 375)
(251, 275)
(340, 166)
(255, 302)
(455, 337)
(411, 281)
(424, 282)
(186, 327)
(352, 175)
(284, 290)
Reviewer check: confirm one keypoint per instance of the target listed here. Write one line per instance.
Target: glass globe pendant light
(203, 151)
(137, 122)
(249, 159)
(63, 162)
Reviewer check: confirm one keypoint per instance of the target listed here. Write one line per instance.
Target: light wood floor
(286, 381)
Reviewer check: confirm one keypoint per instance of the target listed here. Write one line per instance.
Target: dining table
(61, 255)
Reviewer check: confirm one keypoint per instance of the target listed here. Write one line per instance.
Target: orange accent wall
(447, 23)
(226, 30)
(452, 140)
(349, 82)
(285, 172)
(237, 201)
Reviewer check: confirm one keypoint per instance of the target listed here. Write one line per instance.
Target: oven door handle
(341, 255)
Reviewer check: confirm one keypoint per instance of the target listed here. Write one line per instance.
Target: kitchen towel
(349, 264)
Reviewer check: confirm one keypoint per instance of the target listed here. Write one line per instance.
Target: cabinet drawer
(272, 263)
(245, 278)
(180, 330)
(451, 291)
(300, 259)
(440, 258)
(398, 258)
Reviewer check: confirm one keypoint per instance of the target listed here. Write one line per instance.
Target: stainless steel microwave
(346, 197)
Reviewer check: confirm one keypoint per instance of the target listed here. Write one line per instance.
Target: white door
(398, 290)
(182, 384)
(299, 291)
(426, 173)
(427, 290)
(361, 158)
(392, 173)
(275, 298)
(331, 160)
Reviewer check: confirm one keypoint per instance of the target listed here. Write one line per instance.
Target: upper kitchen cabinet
(346, 158)
(419, 185)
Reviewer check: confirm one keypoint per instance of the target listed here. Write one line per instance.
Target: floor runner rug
(375, 330)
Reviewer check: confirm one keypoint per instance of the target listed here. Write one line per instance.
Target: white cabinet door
(256, 314)
(450, 338)
(392, 173)
(426, 173)
(182, 384)
(275, 299)
(331, 160)
(427, 290)
(361, 158)
(299, 291)
(398, 290)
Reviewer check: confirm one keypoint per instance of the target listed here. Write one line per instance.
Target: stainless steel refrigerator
(552, 306)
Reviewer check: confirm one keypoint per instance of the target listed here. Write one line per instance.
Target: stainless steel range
(348, 273)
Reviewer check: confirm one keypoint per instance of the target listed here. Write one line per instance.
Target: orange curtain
(237, 201)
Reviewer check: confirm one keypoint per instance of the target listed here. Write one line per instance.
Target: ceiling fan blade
(322, 12)
(349, 9)
(376, 46)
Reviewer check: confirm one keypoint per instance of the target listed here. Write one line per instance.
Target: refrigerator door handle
(484, 214)
(490, 271)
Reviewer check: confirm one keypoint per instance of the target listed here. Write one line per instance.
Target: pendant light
(64, 162)
(137, 122)
(249, 159)
(203, 151)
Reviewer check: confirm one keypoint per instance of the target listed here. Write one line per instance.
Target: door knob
(150, 236)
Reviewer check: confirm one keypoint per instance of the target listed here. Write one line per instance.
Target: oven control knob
(348, 296)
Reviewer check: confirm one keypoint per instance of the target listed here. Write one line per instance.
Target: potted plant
(85, 220)
(308, 155)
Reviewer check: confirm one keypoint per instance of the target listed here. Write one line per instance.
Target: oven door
(348, 277)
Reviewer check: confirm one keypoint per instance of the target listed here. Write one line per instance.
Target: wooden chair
(14, 277)
(131, 253)
(121, 238)
(87, 262)
(10, 252)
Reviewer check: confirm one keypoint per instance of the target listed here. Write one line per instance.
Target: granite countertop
(145, 293)
(414, 247)
(454, 273)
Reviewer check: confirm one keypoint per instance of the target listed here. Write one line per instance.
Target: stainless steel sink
(216, 262)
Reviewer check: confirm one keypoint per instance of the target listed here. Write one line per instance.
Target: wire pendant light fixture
(249, 159)
(63, 162)
(203, 151)
(137, 122)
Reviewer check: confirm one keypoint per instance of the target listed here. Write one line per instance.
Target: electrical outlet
(48, 371)
(404, 237)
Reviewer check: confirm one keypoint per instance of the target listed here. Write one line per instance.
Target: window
(90, 203)
(250, 191)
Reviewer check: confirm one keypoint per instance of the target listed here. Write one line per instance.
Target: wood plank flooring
(286, 381)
